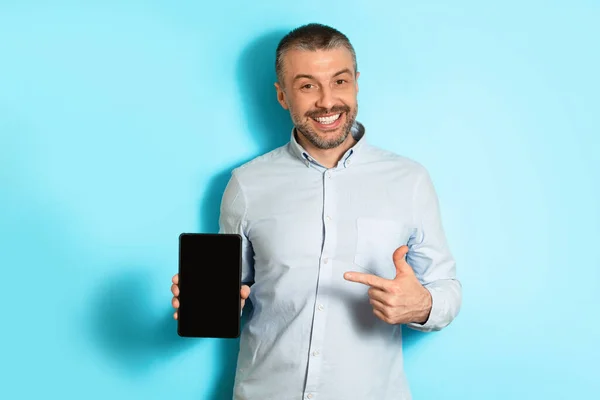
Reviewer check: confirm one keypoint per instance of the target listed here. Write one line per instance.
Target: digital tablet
(210, 272)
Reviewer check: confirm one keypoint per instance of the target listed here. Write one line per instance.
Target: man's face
(320, 89)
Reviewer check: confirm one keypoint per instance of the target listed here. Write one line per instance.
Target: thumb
(399, 258)
(245, 291)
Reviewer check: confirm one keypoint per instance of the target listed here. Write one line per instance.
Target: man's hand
(400, 300)
(244, 293)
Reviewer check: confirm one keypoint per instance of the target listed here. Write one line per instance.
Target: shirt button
(315, 353)
(328, 218)
(321, 307)
(326, 260)
(309, 396)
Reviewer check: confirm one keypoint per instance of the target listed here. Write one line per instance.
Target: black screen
(209, 285)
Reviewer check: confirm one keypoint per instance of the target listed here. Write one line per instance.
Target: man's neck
(326, 157)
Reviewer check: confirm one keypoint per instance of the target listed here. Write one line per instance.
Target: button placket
(324, 281)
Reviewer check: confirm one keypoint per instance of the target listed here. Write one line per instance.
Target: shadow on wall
(268, 123)
(126, 324)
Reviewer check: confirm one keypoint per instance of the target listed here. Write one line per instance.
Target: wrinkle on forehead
(319, 63)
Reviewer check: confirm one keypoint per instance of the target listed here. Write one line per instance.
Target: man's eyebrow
(343, 71)
(300, 76)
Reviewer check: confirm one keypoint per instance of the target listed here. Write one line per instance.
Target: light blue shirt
(309, 333)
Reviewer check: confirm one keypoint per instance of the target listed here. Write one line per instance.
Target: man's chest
(331, 217)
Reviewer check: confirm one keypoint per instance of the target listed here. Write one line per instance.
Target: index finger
(366, 279)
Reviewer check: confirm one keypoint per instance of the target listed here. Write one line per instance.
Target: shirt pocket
(376, 241)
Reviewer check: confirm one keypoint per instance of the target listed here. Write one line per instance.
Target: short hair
(311, 37)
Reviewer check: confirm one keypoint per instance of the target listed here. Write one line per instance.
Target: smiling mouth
(329, 120)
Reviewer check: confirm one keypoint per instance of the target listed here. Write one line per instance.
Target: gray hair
(311, 37)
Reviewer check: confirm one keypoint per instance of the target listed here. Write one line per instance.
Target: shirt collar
(358, 133)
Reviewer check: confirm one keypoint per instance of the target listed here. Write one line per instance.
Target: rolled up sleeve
(431, 259)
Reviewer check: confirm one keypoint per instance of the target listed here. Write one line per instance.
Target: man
(343, 243)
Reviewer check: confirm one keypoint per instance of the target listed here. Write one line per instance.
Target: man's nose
(326, 99)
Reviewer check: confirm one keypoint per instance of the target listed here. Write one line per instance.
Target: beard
(314, 138)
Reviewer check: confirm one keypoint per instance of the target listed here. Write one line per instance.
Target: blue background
(120, 123)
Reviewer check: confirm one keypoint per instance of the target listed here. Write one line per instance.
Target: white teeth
(328, 120)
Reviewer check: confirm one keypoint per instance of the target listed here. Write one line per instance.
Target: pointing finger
(366, 279)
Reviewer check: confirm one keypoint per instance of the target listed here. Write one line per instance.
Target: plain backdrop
(120, 122)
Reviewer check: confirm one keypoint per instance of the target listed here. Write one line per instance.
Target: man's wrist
(425, 307)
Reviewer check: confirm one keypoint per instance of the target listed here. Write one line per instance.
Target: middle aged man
(343, 243)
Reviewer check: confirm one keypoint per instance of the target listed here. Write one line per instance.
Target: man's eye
(308, 86)
(341, 81)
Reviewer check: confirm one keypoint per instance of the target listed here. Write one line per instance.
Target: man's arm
(431, 259)
(232, 219)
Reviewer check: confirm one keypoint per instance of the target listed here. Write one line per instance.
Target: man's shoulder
(376, 154)
(263, 162)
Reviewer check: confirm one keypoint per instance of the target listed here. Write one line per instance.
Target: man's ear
(356, 80)
(281, 96)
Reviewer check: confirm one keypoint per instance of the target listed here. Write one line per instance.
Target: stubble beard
(306, 130)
